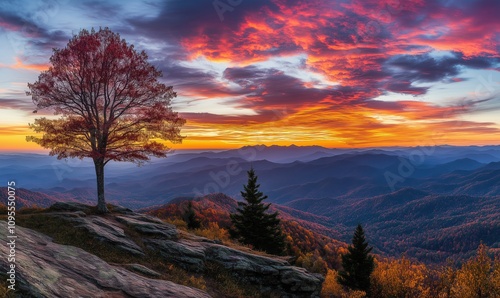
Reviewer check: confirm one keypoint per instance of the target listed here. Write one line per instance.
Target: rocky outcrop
(148, 225)
(103, 230)
(47, 269)
(269, 274)
(186, 254)
(142, 269)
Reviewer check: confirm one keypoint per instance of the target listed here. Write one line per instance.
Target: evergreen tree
(357, 263)
(252, 224)
(190, 217)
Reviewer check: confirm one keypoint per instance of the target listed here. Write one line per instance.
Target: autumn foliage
(311, 250)
(478, 277)
(402, 277)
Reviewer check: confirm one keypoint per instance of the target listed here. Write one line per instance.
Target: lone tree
(111, 103)
(252, 224)
(357, 263)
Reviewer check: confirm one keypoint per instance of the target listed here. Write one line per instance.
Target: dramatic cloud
(328, 72)
(272, 88)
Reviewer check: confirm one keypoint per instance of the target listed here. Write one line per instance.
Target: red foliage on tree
(111, 103)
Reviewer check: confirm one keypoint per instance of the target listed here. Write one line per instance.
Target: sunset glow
(275, 72)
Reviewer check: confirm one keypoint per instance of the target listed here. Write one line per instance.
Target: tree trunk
(99, 171)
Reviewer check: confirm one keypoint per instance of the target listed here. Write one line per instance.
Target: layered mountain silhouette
(423, 201)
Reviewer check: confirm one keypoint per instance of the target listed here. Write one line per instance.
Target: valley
(428, 203)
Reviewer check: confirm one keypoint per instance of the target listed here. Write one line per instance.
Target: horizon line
(46, 151)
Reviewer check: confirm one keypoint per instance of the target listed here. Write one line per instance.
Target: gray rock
(145, 225)
(266, 272)
(271, 274)
(79, 213)
(142, 269)
(298, 280)
(184, 253)
(47, 269)
(198, 238)
(105, 230)
(147, 218)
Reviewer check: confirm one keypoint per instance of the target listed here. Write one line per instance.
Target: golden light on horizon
(318, 125)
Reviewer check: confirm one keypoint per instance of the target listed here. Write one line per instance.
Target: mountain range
(428, 202)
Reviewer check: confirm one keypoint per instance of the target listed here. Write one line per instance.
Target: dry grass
(227, 285)
(4, 291)
(57, 228)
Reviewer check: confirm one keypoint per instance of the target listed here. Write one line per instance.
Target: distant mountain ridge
(30, 199)
(336, 189)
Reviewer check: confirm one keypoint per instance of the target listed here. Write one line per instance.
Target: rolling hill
(442, 202)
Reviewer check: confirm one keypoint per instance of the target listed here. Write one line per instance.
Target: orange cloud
(416, 123)
(21, 65)
(367, 47)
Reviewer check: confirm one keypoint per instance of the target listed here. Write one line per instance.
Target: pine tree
(357, 263)
(190, 217)
(252, 224)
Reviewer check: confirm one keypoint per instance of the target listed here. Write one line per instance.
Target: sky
(364, 73)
